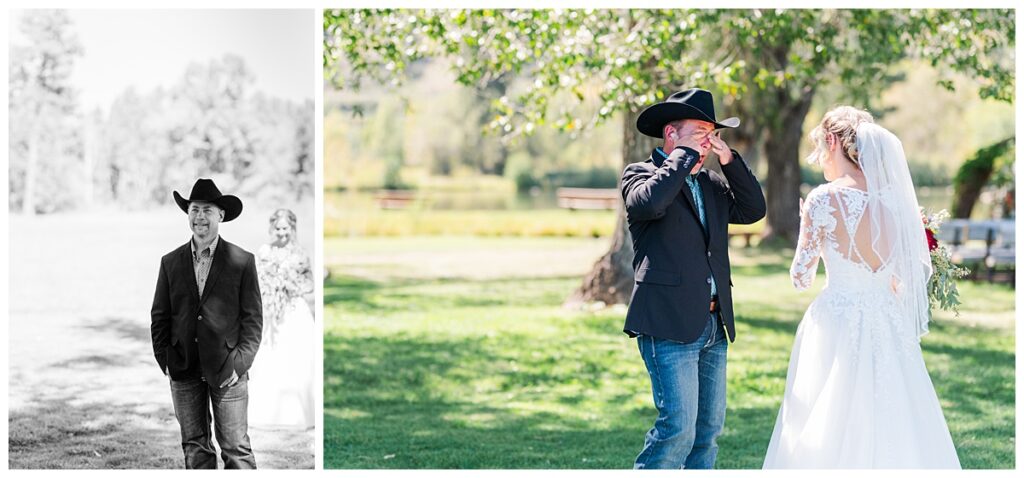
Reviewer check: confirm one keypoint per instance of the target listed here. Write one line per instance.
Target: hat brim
(652, 120)
(231, 205)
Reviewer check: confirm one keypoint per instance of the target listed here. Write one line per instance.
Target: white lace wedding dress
(857, 391)
(281, 378)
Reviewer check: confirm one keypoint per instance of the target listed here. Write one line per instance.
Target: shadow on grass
(386, 407)
(58, 434)
(415, 403)
(390, 295)
(55, 434)
(977, 391)
(569, 391)
(122, 328)
(970, 354)
(113, 410)
(119, 331)
(71, 426)
(769, 323)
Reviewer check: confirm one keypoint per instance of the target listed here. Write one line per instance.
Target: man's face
(700, 132)
(204, 219)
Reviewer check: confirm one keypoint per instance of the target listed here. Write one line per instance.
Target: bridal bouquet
(942, 284)
(283, 276)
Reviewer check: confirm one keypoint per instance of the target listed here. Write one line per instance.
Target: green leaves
(765, 65)
(942, 290)
(637, 55)
(617, 58)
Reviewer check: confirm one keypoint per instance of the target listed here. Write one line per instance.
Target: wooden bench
(1001, 263)
(986, 248)
(394, 198)
(747, 232)
(588, 198)
(748, 236)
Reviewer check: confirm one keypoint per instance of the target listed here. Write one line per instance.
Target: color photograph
(615, 239)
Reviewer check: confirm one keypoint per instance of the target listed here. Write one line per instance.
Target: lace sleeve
(815, 219)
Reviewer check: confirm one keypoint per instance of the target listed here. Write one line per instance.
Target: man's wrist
(732, 157)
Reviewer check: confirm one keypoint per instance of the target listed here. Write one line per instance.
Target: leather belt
(714, 304)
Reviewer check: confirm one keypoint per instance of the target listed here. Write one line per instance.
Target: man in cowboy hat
(207, 324)
(681, 309)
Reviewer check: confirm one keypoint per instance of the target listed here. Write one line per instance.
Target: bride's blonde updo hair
(842, 121)
(287, 215)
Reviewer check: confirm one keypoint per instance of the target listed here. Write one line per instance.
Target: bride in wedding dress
(857, 391)
(281, 388)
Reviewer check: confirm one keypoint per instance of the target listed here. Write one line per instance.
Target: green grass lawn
(426, 371)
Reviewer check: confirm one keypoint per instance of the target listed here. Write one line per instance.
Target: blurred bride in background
(281, 391)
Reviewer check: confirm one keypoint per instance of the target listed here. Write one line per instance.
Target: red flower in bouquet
(932, 242)
(942, 290)
(931, 227)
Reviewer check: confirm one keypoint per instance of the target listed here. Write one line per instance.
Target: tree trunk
(611, 279)
(88, 161)
(973, 175)
(782, 183)
(967, 192)
(28, 200)
(748, 139)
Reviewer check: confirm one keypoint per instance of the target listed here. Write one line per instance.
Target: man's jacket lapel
(188, 265)
(658, 160)
(688, 194)
(704, 179)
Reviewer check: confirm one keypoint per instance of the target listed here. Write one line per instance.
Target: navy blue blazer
(674, 256)
(214, 334)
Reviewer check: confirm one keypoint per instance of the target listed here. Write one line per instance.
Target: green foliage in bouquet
(942, 291)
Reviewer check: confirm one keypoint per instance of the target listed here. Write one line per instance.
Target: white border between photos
(318, 241)
(4, 240)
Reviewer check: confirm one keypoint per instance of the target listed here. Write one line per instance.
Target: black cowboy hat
(205, 190)
(693, 103)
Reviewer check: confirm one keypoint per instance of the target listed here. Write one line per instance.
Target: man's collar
(658, 156)
(212, 247)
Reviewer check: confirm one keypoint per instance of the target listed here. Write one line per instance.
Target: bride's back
(851, 232)
(871, 237)
(860, 236)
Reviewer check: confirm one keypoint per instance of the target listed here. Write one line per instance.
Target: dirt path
(85, 391)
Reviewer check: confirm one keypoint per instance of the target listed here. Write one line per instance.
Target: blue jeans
(688, 382)
(193, 399)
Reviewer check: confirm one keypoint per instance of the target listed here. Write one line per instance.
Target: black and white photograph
(161, 239)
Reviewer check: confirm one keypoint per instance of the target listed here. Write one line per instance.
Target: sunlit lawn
(475, 364)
